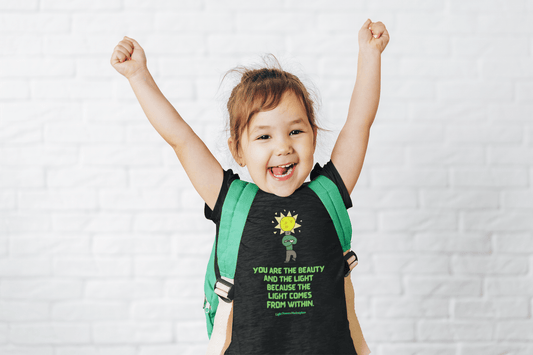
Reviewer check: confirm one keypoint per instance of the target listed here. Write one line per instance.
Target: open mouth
(282, 172)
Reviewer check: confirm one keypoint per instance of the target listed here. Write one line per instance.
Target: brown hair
(262, 90)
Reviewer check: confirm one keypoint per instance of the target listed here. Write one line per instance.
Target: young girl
(273, 134)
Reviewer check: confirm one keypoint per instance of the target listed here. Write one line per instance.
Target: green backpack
(223, 260)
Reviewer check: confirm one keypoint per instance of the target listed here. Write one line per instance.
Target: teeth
(289, 171)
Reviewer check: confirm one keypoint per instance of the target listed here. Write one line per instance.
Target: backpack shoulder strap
(235, 210)
(331, 197)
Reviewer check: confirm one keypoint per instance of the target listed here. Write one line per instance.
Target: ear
(235, 152)
(315, 132)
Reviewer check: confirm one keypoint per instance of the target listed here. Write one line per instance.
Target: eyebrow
(291, 123)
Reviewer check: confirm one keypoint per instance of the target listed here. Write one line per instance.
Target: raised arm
(202, 168)
(349, 152)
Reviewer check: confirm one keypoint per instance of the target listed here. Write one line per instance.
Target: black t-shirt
(289, 281)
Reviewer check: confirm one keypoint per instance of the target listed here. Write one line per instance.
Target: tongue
(279, 171)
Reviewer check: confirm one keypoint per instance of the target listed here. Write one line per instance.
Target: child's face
(278, 146)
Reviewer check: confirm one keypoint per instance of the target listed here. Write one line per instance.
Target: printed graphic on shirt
(287, 224)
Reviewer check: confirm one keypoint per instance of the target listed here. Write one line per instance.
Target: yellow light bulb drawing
(287, 224)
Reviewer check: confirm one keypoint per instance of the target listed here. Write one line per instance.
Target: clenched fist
(373, 36)
(128, 57)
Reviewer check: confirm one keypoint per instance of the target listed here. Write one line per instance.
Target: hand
(128, 57)
(373, 36)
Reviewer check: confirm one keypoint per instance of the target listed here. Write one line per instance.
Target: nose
(284, 146)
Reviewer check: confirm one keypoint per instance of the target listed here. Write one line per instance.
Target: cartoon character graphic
(287, 224)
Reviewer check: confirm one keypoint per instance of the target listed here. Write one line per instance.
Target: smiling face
(277, 146)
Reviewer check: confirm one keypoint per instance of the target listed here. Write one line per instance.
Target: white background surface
(103, 243)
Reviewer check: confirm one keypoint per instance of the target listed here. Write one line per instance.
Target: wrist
(369, 54)
(140, 73)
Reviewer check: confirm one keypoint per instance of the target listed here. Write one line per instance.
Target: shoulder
(214, 214)
(329, 171)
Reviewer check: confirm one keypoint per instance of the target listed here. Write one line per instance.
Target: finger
(127, 45)
(136, 44)
(366, 24)
(123, 52)
(118, 57)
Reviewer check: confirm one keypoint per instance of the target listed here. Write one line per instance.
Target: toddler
(288, 237)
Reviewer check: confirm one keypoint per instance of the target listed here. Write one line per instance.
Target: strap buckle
(350, 261)
(224, 290)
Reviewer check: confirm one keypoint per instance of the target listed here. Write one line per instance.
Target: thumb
(367, 24)
(136, 44)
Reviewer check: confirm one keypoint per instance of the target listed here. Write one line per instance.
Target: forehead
(289, 110)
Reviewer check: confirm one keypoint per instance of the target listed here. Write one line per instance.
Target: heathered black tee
(289, 281)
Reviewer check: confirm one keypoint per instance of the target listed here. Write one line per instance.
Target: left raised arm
(349, 152)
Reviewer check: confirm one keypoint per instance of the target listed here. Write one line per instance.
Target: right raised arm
(201, 167)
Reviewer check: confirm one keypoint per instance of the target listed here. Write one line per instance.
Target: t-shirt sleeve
(214, 214)
(331, 172)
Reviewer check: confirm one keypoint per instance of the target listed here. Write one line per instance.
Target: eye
(264, 136)
(295, 131)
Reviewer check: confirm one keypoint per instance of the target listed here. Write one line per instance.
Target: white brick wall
(103, 243)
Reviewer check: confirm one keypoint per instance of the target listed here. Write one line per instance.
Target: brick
(497, 308)
(49, 244)
(388, 331)
(453, 331)
(324, 4)
(26, 350)
(411, 263)
(514, 286)
(14, 89)
(495, 221)
(8, 199)
(511, 156)
(19, 5)
(243, 5)
(90, 311)
(34, 23)
(486, 21)
(451, 242)
(443, 112)
(195, 22)
(15, 66)
(139, 200)
(96, 350)
(16, 311)
(71, 132)
(44, 156)
(39, 111)
(277, 22)
(169, 267)
(131, 244)
(506, 68)
(417, 220)
(186, 289)
(131, 333)
(443, 286)
(489, 177)
(489, 265)
(507, 113)
(474, 46)
(183, 349)
(419, 348)
(86, 177)
(403, 178)
(52, 289)
(517, 243)
(75, 5)
(162, 5)
(50, 333)
(521, 330)
(383, 242)
(189, 44)
(193, 243)
(177, 89)
(58, 200)
(194, 67)
(244, 43)
(171, 222)
(372, 285)
(26, 222)
(518, 199)
(71, 89)
(444, 68)
(447, 199)
(15, 267)
(191, 331)
(92, 267)
(123, 289)
(435, 23)
(463, 91)
(411, 307)
(495, 348)
(167, 310)
(159, 177)
(321, 43)
(524, 92)
(87, 222)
